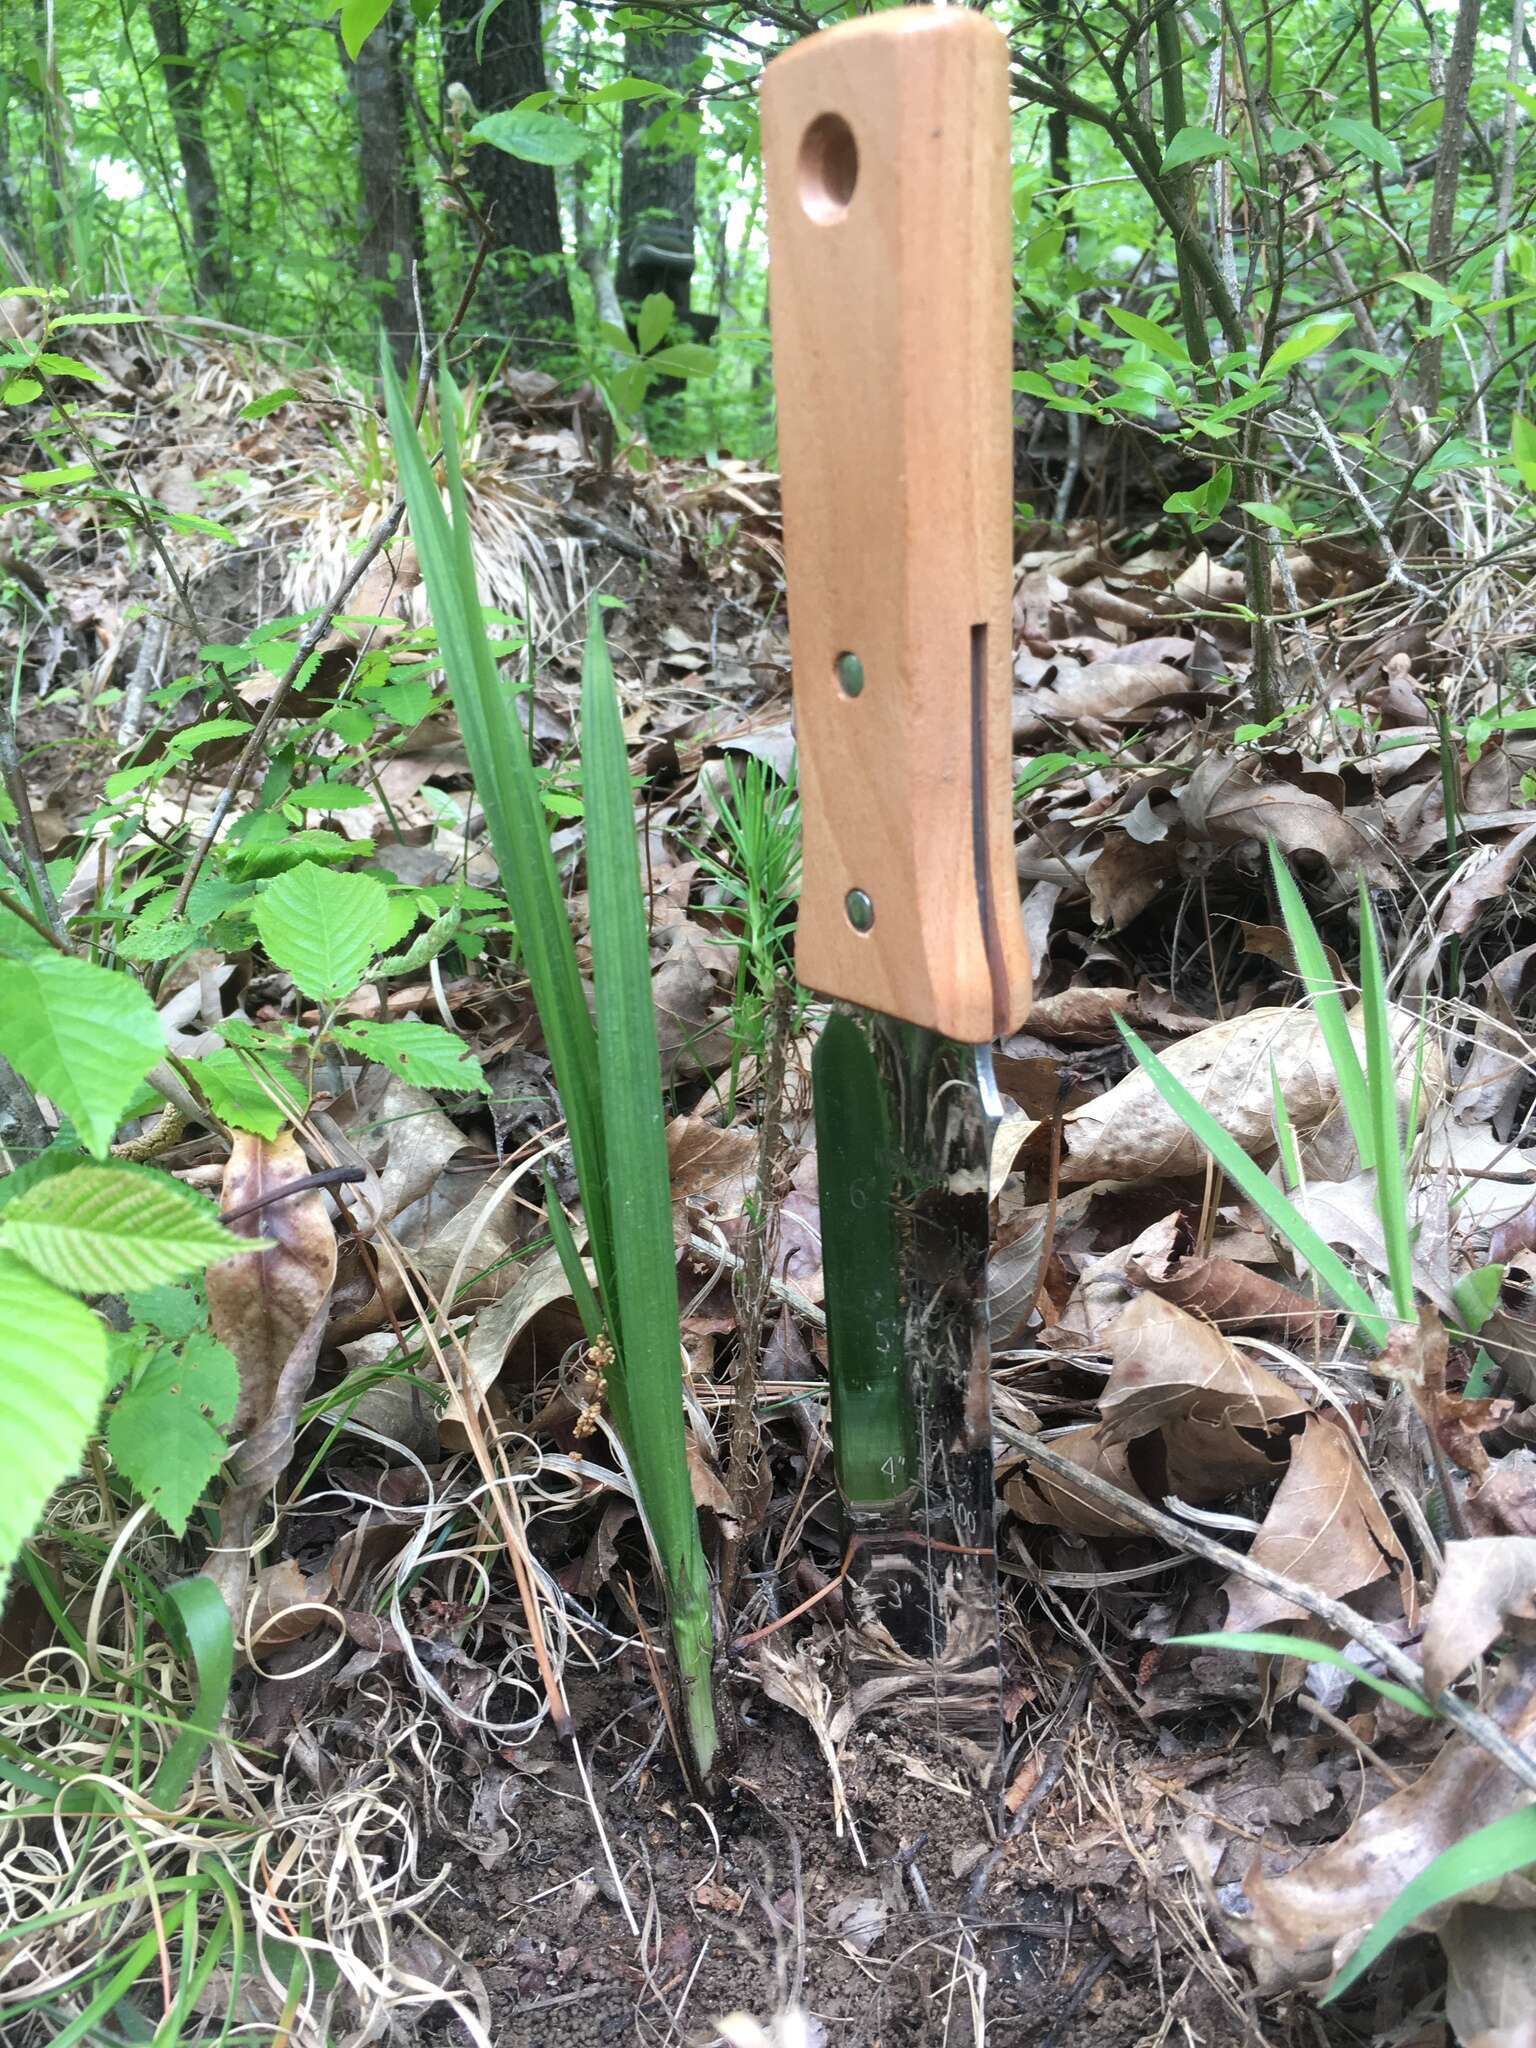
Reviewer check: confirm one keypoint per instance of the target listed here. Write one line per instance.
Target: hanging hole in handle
(829, 168)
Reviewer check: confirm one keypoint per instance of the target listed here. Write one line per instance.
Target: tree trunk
(656, 180)
(1441, 237)
(389, 205)
(184, 90)
(525, 301)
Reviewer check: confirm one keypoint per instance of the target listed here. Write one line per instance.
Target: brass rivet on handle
(861, 912)
(850, 674)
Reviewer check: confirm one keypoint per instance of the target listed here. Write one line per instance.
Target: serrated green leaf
(53, 1373)
(165, 1432)
(161, 940)
(262, 858)
(423, 1053)
(326, 795)
(50, 479)
(81, 1035)
(100, 1229)
(174, 1311)
(535, 137)
(1194, 146)
(323, 927)
(232, 1088)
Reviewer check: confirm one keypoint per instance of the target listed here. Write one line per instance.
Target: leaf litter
(1201, 1832)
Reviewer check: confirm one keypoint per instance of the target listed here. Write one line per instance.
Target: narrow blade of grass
(1260, 1189)
(1270, 1643)
(508, 790)
(1319, 983)
(1481, 1858)
(571, 1263)
(1285, 1131)
(1387, 1144)
(645, 1258)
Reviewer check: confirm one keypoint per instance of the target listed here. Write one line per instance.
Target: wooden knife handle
(886, 145)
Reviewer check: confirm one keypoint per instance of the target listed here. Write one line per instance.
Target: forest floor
(1179, 1844)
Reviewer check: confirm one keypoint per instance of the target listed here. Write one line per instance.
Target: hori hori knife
(886, 147)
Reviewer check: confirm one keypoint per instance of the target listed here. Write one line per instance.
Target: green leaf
(326, 795)
(175, 1312)
(1478, 1859)
(1522, 446)
(1424, 287)
(656, 315)
(53, 1373)
(1268, 515)
(423, 1053)
(683, 359)
(634, 1135)
(323, 927)
(259, 408)
(1271, 1643)
(261, 858)
(1194, 146)
(1311, 336)
(101, 1229)
(1260, 1189)
(1370, 142)
(534, 137)
(166, 1432)
(1317, 978)
(49, 479)
(1161, 340)
(1387, 1141)
(233, 1091)
(81, 1035)
(359, 19)
(194, 1612)
(65, 366)
(1476, 1294)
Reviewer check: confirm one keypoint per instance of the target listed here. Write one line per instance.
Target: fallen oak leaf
(1325, 1529)
(1486, 1583)
(259, 1302)
(1221, 1289)
(1169, 1366)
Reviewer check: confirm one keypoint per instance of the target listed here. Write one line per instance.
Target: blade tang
(886, 146)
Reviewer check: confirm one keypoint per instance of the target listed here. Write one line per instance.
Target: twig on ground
(1477, 1726)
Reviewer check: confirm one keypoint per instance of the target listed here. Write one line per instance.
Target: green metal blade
(904, 1128)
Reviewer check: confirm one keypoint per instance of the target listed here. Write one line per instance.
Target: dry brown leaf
(709, 1166)
(1304, 1923)
(691, 1023)
(1130, 1133)
(1325, 1529)
(1046, 1499)
(1220, 1289)
(1224, 800)
(1127, 876)
(1171, 1367)
(1490, 1992)
(1484, 1583)
(260, 1303)
(1109, 690)
(287, 1605)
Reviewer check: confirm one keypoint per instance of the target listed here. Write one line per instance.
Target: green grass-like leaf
(1270, 1643)
(1260, 1189)
(1386, 1138)
(645, 1258)
(1481, 1858)
(1318, 980)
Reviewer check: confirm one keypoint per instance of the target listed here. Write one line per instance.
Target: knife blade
(886, 151)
